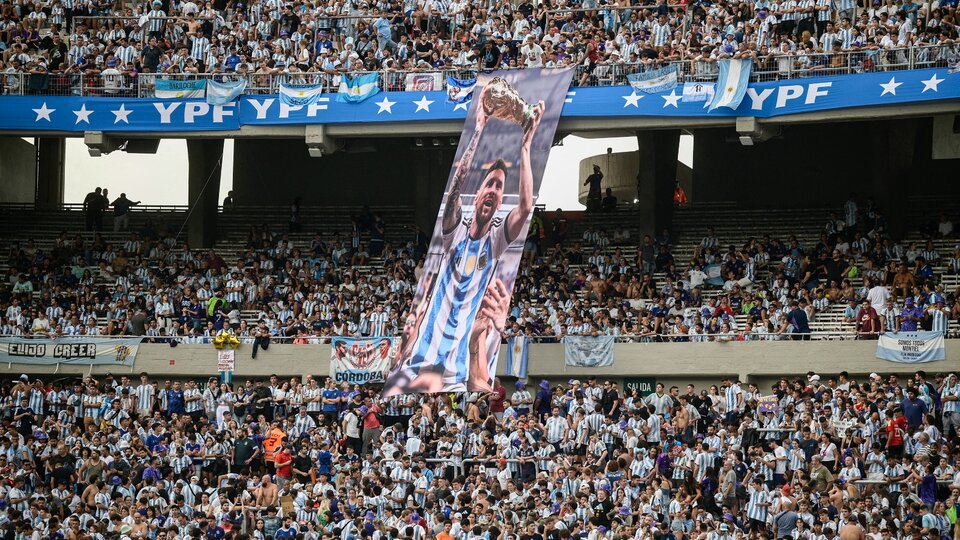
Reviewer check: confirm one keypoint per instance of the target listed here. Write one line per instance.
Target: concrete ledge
(670, 363)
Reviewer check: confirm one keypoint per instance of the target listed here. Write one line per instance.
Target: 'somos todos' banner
(452, 335)
(911, 347)
(588, 351)
(361, 360)
(69, 350)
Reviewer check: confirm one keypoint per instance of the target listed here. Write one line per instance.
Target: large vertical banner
(452, 335)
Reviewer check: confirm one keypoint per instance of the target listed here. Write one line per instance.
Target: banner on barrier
(69, 350)
(911, 347)
(451, 339)
(361, 360)
(588, 351)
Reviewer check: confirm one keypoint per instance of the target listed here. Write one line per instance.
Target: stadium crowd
(808, 459)
(594, 282)
(111, 44)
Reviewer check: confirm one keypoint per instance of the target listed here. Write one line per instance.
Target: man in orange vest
(272, 442)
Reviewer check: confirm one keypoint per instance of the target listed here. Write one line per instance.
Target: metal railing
(738, 337)
(776, 66)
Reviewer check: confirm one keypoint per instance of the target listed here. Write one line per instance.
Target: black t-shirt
(302, 463)
(242, 450)
(151, 57)
(601, 509)
(423, 47)
(25, 424)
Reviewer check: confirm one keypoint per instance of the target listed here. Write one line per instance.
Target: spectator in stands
(121, 212)
(593, 193)
(609, 202)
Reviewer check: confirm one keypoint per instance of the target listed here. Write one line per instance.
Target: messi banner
(361, 360)
(588, 351)
(452, 336)
(69, 350)
(911, 347)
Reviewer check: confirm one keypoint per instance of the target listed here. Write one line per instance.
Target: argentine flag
(732, 83)
(517, 356)
(221, 93)
(300, 95)
(359, 88)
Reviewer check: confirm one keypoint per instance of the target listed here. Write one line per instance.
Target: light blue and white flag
(460, 90)
(300, 95)
(698, 92)
(221, 93)
(518, 348)
(173, 89)
(588, 351)
(359, 88)
(654, 80)
(911, 347)
(731, 83)
(714, 274)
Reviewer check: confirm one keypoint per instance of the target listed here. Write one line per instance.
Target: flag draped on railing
(300, 95)
(731, 83)
(221, 93)
(359, 88)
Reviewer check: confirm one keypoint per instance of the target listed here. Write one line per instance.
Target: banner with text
(588, 351)
(361, 360)
(69, 350)
(763, 100)
(911, 347)
(452, 336)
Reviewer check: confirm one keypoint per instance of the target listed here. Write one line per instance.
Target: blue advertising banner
(361, 360)
(911, 347)
(588, 351)
(69, 350)
(763, 100)
(452, 336)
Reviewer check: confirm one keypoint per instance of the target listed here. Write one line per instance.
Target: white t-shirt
(533, 55)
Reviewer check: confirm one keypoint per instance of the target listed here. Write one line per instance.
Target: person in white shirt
(532, 53)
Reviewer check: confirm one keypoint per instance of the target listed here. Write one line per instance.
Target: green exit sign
(646, 385)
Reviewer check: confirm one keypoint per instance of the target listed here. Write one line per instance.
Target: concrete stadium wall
(818, 164)
(18, 170)
(268, 172)
(670, 363)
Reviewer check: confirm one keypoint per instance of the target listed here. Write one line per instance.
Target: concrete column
(893, 144)
(18, 169)
(51, 155)
(656, 177)
(649, 175)
(205, 158)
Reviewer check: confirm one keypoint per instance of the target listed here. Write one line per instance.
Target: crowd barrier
(766, 68)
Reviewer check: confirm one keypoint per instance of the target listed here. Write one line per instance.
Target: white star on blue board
(932, 83)
(385, 105)
(631, 100)
(83, 115)
(122, 114)
(671, 99)
(423, 104)
(890, 87)
(43, 112)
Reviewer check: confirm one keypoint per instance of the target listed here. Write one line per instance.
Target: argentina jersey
(467, 269)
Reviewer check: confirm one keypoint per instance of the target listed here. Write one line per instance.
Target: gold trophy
(500, 100)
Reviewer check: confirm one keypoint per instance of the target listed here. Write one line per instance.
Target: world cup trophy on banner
(502, 101)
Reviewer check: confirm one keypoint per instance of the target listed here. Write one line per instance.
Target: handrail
(621, 338)
(604, 73)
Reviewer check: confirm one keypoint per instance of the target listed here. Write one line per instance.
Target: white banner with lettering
(69, 350)
(911, 347)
